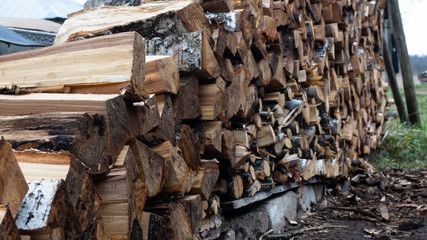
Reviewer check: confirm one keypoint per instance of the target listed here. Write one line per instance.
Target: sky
(414, 15)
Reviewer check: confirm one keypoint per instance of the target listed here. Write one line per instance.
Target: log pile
(141, 120)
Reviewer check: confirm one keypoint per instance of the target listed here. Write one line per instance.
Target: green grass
(404, 146)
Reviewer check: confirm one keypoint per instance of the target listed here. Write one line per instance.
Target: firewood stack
(141, 120)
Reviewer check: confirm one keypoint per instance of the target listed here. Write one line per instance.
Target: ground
(387, 205)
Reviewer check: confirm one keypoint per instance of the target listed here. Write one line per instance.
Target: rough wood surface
(152, 167)
(13, 186)
(177, 168)
(45, 210)
(161, 75)
(185, 16)
(8, 230)
(116, 59)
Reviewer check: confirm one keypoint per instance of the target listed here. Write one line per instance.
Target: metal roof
(11, 37)
(41, 9)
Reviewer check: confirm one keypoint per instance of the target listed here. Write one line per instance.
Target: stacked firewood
(140, 120)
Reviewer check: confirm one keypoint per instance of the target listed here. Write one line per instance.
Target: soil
(387, 205)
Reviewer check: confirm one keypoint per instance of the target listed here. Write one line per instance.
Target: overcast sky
(414, 14)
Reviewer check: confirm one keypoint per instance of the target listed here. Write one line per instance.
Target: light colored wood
(213, 137)
(266, 136)
(37, 165)
(13, 186)
(211, 101)
(161, 75)
(97, 21)
(113, 59)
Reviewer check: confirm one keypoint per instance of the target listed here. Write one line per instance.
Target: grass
(404, 146)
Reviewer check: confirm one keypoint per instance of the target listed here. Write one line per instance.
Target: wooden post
(405, 64)
(394, 85)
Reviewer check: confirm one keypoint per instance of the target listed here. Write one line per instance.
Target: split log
(177, 224)
(206, 178)
(165, 131)
(188, 16)
(99, 65)
(108, 112)
(153, 226)
(85, 136)
(193, 209)
(161, 75)
(177, 168)
(189, 145)
(38, 165)
(266, 136)
(186, 103)
(213, 137)
(45, 211)
(228, 144)
(217, 5)
(211, 101)
(8, 230)
(152, 167)
(191, 52)
(235, 188)
(13, 186)
(144, 116)
(123, 196)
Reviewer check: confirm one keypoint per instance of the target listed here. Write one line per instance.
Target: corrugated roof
(41, 9)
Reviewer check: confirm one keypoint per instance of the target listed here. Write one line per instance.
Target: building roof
(41, 9)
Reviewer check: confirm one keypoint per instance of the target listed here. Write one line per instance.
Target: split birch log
(191, 52)
(187, 16)
(99, 65)
(45, 211)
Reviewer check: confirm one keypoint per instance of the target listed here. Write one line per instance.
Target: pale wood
(116, 59)
(161, 75)
(98, 21)
(213, 137)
